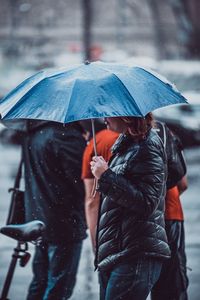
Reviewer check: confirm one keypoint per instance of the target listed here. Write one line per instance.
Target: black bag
(177, 168)
(175, 158)
(16, 214)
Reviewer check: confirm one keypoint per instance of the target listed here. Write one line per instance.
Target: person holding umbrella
(131, 239)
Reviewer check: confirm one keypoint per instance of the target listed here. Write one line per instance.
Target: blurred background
(160, 34)
(163, 35)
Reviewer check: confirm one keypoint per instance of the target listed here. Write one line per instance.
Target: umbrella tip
(87, 62)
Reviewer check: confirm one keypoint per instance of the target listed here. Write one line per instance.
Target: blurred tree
(87, 19)
(160, 39)
(192, 9)
(12, 48)
(184, 23)
(188, 30)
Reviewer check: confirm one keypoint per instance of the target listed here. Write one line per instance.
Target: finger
(101, 158)
(96, 158)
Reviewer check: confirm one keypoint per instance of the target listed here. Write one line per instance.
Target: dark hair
(138, 126)
(86, 124)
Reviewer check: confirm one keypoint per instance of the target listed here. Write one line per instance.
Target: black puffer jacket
(54, 190)
(131, 221)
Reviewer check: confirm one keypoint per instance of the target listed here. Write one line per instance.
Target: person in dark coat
(54, 194)
(173, 281)
(131, 239)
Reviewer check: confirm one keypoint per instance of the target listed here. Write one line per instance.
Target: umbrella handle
(94, 137)
(95, 184)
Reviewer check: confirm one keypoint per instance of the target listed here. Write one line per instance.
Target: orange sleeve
(173, 207)
(104, 140)
(87, 157)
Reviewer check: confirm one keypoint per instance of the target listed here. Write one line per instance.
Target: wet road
(87, 286)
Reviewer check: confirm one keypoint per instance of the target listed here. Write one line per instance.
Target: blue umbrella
(89, 91)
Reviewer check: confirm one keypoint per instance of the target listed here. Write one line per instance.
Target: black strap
(19, 175)
(161, 130)
(164, 135)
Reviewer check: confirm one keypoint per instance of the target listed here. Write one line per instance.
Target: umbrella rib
(110, 72)
(165, 81)
(139, 111)
(17, 102)
(67, 109)
(21, 100)
(40, 80)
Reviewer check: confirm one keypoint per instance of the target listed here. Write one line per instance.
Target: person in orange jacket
(104, 139)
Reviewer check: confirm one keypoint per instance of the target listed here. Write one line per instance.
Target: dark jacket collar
(121, 144)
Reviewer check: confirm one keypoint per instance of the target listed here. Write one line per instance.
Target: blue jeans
(173, 280)
(54, 270)
(130, 281)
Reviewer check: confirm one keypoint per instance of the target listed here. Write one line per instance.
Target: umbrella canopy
(88, 91)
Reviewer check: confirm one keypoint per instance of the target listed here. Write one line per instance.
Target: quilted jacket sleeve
(142, 186)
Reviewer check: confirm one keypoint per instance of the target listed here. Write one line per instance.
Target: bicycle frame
(20, 252)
